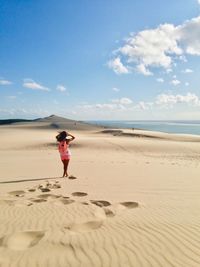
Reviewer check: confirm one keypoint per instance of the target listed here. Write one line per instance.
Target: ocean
(180, 127)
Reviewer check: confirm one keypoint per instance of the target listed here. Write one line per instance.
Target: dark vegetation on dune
(11, 121)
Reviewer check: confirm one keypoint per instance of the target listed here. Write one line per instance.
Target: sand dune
(55, 123)
(132, 199)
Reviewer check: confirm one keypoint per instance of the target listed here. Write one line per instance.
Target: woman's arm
(72, 137)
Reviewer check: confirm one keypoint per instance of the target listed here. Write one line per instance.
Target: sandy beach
(132, 198)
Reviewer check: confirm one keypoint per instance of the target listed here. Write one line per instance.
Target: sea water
(180, 127)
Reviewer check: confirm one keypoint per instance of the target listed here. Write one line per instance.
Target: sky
(100, 59)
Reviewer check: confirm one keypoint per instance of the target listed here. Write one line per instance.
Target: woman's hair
(61, 136)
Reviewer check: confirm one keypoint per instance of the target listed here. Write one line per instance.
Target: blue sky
(98, 59)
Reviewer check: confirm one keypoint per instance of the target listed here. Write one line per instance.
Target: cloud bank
(161, 101)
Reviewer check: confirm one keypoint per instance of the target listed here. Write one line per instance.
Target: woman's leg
(65, 163)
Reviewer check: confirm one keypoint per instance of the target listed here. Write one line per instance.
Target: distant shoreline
(165, 126)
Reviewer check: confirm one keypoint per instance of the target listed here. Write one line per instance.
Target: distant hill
(51, 122)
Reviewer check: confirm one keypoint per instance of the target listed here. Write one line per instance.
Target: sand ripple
(100, 233)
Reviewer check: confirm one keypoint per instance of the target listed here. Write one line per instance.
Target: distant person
(63, 147)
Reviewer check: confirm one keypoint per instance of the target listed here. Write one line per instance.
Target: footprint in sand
(108, 208)
(66, 201)
(85, 203)
(48, 186)
(130, 204)
(21, 240)
(108, 212)
(79, 194)
(39, 200)
(45, 190)
(114, 210)
(46, 196)
(18, 193)
(71, 177)
(100, 213)
(100, 203)
(86, 226)
(32, 190)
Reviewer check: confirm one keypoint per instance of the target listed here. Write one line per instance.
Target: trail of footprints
(28, 239)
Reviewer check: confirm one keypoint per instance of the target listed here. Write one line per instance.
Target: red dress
(63, 148)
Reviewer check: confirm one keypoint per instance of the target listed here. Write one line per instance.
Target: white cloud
(5, 82)
(115, 89)
(24, 113)
(183, 58)
(142, 105)
(189, 35)
(175, 82)
(152, 47)
(123, 101)
(121, 104)
(61, 88)
(188, 70)
(142, 69)
(171, 99)
(117, 66)
(159, 47)
(105, 106)
(160, 80)
(187, 84)
(28, 83)
(163, 106)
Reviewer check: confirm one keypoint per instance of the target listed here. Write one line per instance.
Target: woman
(63, 148)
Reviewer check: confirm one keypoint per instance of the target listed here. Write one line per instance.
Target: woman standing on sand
(63, 148)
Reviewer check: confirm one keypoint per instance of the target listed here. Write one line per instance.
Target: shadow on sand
(28, 180)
